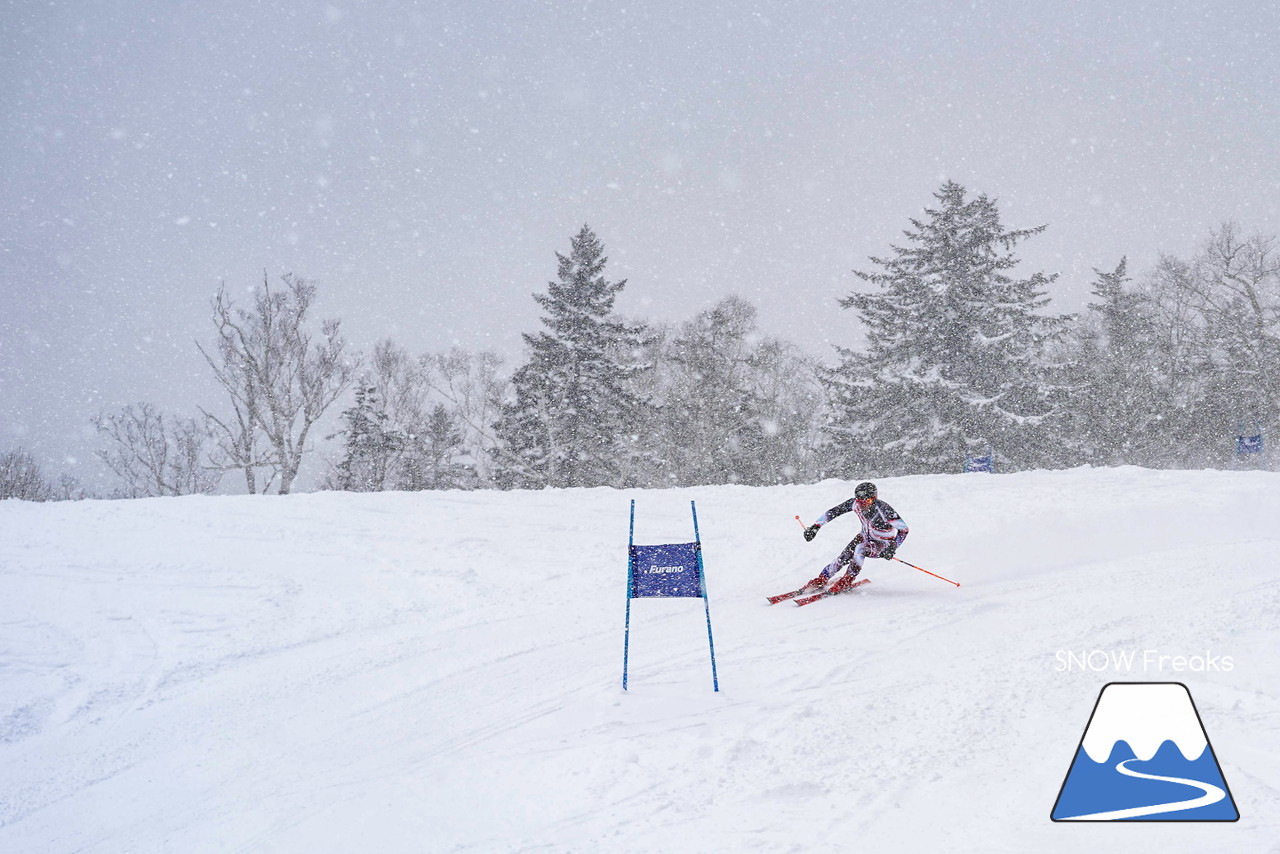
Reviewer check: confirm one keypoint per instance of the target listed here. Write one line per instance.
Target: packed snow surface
(442, 671)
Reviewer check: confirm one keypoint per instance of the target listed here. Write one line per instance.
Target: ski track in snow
(441, 672)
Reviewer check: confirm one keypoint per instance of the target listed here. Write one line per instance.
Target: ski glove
(811, 532)
(889, 551)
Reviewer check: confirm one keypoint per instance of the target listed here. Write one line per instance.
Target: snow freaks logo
(1147, 660)
(1145, 756)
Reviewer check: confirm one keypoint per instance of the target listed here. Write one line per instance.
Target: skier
(882, 532)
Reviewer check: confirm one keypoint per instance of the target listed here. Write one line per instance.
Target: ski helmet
(865, 490)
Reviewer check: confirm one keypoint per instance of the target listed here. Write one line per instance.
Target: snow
(442, 671)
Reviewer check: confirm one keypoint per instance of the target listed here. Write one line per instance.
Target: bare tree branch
(278, 379)
(152, 458)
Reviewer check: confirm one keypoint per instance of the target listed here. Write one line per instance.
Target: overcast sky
(423, 162)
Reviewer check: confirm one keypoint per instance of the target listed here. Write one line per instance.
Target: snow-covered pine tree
(1184, 365)
(570, 423)
(1118, 398)
(736, 405)
(709, 432)
(436, 455)
(370, 445)
(956, 355)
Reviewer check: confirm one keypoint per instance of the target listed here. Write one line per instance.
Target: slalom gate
(670, 570)
(985, 463)
(1248, 445)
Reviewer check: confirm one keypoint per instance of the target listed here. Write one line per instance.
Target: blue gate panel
(1249, 444)
(666, 570)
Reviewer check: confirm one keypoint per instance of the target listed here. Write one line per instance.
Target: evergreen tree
(1119, 399)
(371, 446)
(735, 407)
(1184, 367)
(709, 433)
(571, 422)
(957, 355)
(435, 456)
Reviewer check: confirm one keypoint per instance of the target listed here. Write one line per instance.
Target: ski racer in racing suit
(883, 530)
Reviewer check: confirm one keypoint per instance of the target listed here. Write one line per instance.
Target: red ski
(808, 588)
(825, 593)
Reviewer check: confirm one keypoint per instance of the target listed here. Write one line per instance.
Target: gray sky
(423, 162)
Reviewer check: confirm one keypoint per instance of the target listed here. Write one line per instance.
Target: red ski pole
(898, 559)
(927, 572)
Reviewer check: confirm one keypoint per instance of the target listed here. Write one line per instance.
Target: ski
(781, 597)
(825, 593)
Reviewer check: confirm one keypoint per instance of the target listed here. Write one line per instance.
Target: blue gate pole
(626, 636)
(702, 582)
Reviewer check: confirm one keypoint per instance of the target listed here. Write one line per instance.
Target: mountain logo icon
(1145, 756)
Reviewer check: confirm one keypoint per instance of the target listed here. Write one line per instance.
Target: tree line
(962, 356)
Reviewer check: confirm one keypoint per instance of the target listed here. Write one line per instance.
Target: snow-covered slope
(441, 672)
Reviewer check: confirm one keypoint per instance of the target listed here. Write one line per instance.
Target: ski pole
(802, 524)
(927, 572)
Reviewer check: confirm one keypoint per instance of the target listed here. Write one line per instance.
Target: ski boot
(844, 583)
(819, 583)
